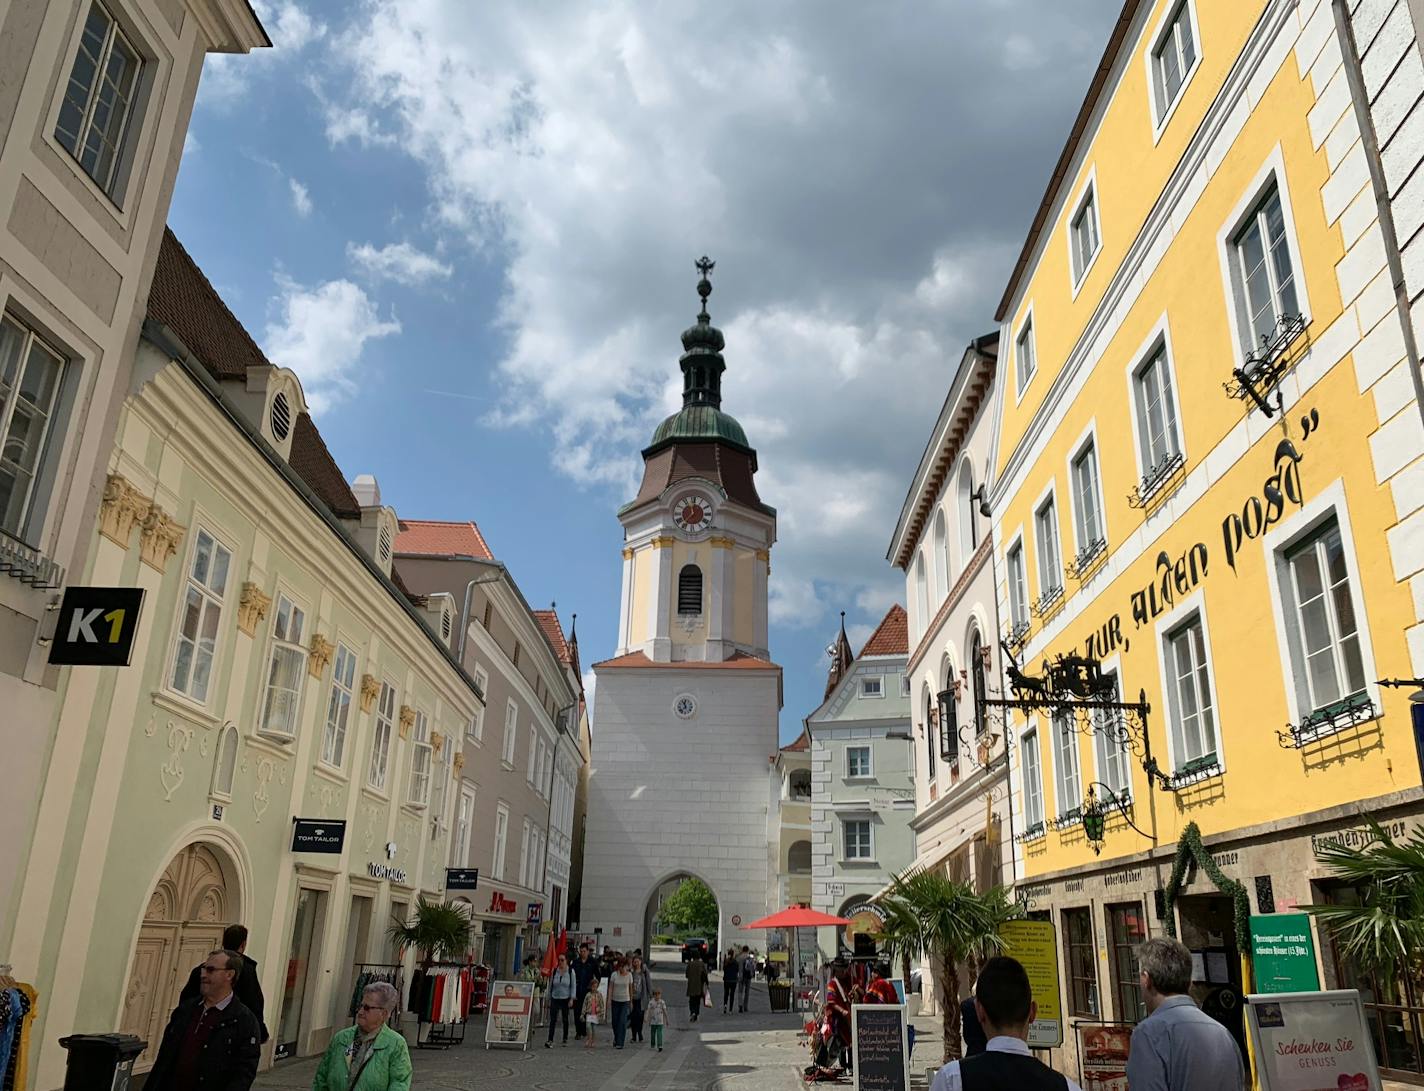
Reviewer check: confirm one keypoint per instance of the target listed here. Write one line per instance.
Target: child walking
(592, 1014)
(657, 1019)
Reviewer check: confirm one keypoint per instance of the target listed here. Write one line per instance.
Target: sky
(470, 229)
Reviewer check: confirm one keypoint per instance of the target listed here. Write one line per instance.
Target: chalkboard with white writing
(882, 1061)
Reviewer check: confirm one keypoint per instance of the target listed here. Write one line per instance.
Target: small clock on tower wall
(693, 513)
(685, 706)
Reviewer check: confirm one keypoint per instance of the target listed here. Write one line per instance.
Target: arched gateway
(686, 716)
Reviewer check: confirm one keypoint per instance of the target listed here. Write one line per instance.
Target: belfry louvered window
(689, 590)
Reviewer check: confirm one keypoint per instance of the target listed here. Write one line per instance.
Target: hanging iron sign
(458, 878)
(97, 626)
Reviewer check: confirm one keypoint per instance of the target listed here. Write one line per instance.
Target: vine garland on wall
(1190, 847)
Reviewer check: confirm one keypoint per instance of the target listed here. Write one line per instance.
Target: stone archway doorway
(710, 930)
(184, 920)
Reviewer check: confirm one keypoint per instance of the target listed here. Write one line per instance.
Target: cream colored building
(281, 670)
(793, 860)
(84, 193)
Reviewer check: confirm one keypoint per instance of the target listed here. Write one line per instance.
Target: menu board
(878, 1046)
(1035, 945)
(1102, 1055)
(1312, 1041)
(511, 1007)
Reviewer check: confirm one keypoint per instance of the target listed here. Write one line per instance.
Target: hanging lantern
(1095, 822)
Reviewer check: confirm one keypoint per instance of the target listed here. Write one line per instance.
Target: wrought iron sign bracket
(1259, 376)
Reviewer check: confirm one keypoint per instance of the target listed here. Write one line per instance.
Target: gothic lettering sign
(1355, 837)
(97, 626)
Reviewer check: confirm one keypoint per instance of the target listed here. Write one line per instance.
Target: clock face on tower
(693, 512)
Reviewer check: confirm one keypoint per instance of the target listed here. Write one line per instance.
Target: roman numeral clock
(692, 513)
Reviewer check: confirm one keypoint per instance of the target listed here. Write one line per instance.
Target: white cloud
(398, 261)
(301, 198)
(862, 177)
(226, 76)
(320, 333)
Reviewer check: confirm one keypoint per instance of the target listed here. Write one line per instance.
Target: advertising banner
(510, 1011)
(1102, 1055)
(1312, 1041)
(1035, 944)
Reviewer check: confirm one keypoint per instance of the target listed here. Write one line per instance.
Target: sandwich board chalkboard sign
(879, 1047)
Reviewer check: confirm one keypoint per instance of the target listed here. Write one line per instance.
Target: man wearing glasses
(211, 1042)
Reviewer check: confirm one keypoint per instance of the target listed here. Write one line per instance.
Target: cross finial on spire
(704, 265)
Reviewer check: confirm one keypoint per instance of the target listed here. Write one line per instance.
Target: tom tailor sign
(318, 835)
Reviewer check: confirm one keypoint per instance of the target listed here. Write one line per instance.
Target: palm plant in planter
(932, 916)
(437, 930)
(1382, 931)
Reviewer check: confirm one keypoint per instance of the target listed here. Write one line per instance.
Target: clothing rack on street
(17, 1013)
(440, 995)
(369, 973)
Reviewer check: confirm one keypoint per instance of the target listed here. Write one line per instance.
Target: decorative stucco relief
(122, 508)
(160, 538)
(252, 607)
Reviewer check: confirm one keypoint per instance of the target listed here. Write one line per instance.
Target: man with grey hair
(1178, 1047)
(369, 1056)
(211, 1041)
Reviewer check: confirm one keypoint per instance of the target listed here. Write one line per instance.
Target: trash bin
(780, 996)
(100, 1062)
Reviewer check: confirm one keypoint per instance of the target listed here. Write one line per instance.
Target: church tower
(685, 714)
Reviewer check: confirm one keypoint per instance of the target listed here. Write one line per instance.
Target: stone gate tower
(685, 715)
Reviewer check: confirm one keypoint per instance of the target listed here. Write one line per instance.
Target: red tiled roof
(801, 743)
(432, 537)
(183, 300)
(739, 661)
(314, 465)
(554, 633)
(891, 636)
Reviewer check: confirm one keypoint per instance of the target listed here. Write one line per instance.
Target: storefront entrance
(300, 977)
(1208, 928)
(184, 920)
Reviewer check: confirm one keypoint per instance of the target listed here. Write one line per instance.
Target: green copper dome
(700, 422)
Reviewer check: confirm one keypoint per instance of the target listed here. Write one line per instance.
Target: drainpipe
(488, 577)
(1354, 76)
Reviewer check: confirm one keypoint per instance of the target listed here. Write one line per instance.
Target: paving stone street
(758, 1050)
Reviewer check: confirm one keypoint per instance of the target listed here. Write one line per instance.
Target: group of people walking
(631, 1002)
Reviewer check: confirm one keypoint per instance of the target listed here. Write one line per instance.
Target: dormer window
(689, 591)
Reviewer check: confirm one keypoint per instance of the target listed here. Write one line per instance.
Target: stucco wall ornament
(160, 538)
(170, 773)
(261, 798)
(459, 761)
(252, 607)
(437, 741)
(370, 690)
(407, 721)
(122, 508)
(319, 655)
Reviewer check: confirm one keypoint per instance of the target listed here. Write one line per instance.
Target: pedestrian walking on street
(657, 1018)
(585, 977)
(642, 993)
(696, 986)
(592, 1015)
(729, 980)
(620, 1000)
(247, 988)
(746, 972)
(211, 1041)
(369, 1056)
(563, 987)
(1178, 1047)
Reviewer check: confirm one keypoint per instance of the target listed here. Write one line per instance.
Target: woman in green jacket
(369, 1056)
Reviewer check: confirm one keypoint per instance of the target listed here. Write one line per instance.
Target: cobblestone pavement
(758, 1051)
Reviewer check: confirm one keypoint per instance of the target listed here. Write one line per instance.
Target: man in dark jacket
(585, 971)
(247, 988)
(210, 1043)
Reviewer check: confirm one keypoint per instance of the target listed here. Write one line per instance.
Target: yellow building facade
(1209, 479)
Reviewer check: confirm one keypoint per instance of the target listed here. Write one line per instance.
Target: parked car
(695, 947)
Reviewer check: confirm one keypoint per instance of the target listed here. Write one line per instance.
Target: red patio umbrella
(797, 917)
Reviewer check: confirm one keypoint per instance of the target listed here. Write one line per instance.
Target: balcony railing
(28, 565)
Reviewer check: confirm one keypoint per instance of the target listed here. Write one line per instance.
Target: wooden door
(184, 920)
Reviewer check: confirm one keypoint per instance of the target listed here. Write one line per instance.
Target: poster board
(511, 1009)
(1283, 953)
(880, 1047)
(1103, 1049)
(1035, 945)
(1311, 1041)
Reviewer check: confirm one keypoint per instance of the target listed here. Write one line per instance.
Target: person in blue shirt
(563, 987)
(1178, 1047)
